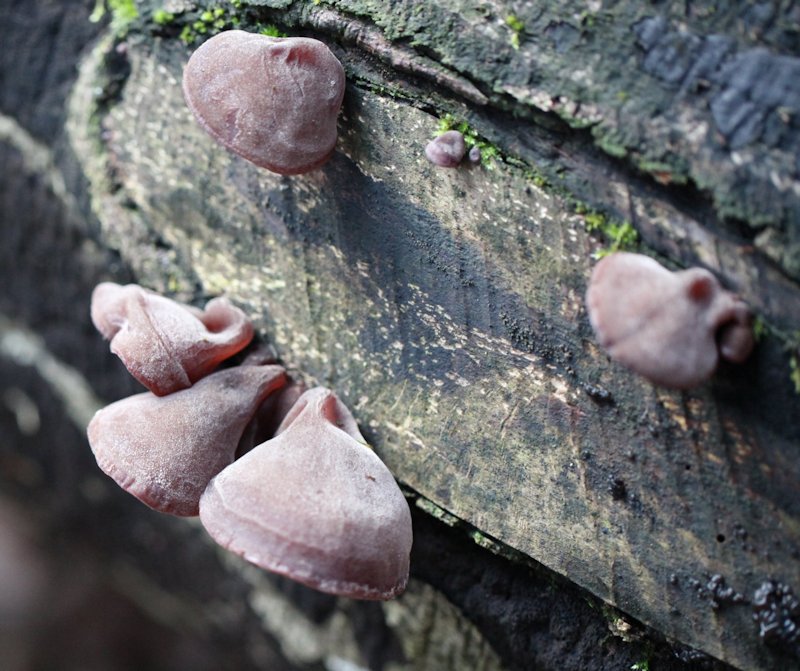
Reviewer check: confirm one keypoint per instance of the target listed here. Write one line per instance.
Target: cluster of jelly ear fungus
(278, 474)
(282, 475)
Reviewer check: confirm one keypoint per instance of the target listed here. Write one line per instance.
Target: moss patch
(123, 14)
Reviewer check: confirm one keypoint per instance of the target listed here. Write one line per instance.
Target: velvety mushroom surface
(315, 504)
(164, 344)
(165, 449)
(670, 327)
(272, 100)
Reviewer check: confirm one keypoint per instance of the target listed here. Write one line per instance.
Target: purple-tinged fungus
(669, 327)
(475, 154)
(447, 149)
(165, 449)
(272, 100)
(270, 415)
(315, 504)
(164, 344)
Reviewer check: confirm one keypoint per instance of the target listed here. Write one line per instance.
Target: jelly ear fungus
(272, 100)
(164, 450)
(315, 504)
(669, 327)
(164, 344)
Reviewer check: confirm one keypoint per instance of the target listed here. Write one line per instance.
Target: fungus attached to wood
(315, 504)
(447, 150)
(272, 100)
(165, 449)
(670, 327)
(475, 155)
(166, 345)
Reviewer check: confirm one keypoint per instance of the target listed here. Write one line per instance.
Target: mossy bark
(446, 306)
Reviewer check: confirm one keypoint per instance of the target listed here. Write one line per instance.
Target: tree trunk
(556, 496)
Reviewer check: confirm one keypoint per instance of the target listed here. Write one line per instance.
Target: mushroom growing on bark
(670, 327)
(164, 344)
(272, 100)
(165, 449)
(447, 149)
(315, 504)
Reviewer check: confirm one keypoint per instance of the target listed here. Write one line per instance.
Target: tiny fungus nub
(475, 154)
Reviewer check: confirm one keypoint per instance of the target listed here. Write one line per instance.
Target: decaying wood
(446, 307)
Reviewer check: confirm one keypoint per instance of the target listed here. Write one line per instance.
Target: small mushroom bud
(669, 327)
(315, 504)
(447, 149)
(164, 344)
(272, 100)
(475, 154)
(165, 449)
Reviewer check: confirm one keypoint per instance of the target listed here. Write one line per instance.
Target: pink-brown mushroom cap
(447, 150)
(315, 504)
(165, 449)
(272, 100)
(164, 344)
(664, 325)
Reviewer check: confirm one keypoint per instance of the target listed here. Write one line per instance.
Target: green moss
(794, 371)
(760, 328)
(643, 665)
(271, 31)
(162, 17)
(517, 28)
(210, 22)
(619, 235)
(514, 23)
(595, 221)
(610, 146)
(123, 14)
(587, 19)
(573, 121)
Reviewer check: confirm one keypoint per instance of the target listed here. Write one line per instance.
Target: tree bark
(446, 306)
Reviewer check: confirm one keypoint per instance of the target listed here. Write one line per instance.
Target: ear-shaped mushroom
(164, 344)
(165, 449)
(447, 149)
(272, 100)
(269, 416)
(669, 327)
(315, 504)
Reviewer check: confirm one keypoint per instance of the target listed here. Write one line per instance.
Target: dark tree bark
(568, 515)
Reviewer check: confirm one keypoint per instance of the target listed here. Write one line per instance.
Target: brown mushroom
(165, 449)
(164, 344)
(315, 504)
(272, 100)
(670, 327)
